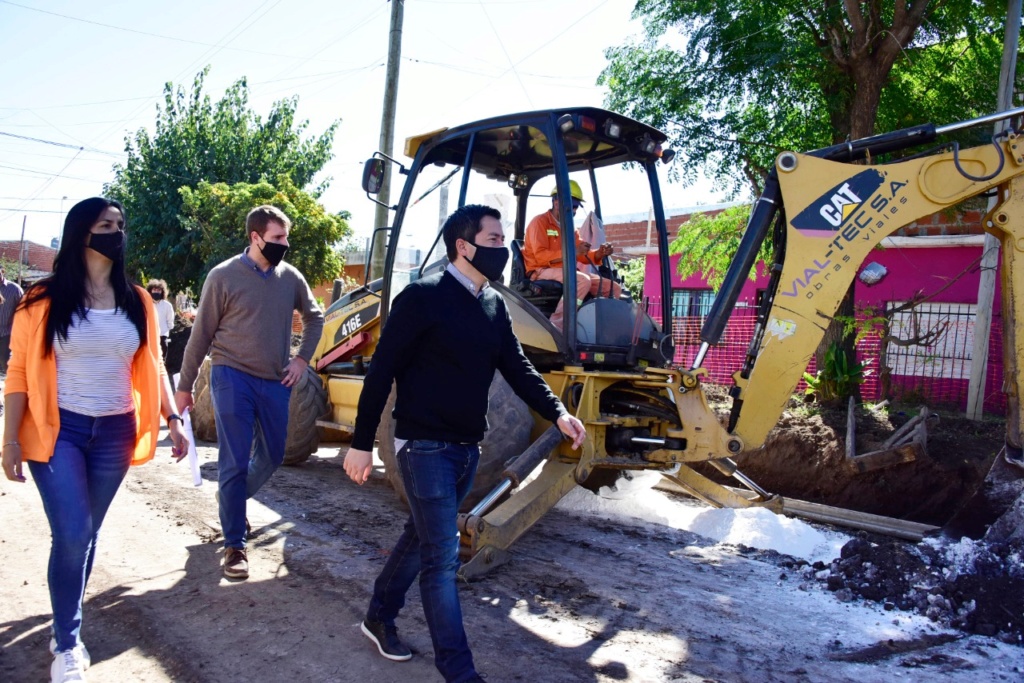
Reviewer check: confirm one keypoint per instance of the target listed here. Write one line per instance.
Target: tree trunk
(834, 333)
(864, 109)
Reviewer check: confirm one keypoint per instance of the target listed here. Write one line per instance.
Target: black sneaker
(386, 639)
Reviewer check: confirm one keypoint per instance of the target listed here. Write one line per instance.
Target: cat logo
(828, 213)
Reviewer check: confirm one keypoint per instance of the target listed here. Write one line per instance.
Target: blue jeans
(252, 425)
(437, 477)
(77, 484)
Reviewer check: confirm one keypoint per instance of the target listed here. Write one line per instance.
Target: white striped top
(94, 364)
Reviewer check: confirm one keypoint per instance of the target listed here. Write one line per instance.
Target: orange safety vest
(542, 247)
(32, 372)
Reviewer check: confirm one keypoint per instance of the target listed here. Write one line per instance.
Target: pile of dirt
(804, 457)
(974, 586)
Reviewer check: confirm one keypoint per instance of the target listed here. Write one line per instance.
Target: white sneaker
(67, 668)
(83, 654)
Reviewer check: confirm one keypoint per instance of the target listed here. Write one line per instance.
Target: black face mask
(157, 296)
(110, 244)
(273, 252)
(490, 261)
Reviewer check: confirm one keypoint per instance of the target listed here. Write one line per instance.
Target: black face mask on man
(109, 244)
(273, 252)
(157, 296)
(489, 261)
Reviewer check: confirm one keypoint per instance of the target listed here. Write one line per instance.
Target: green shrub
(838, 379)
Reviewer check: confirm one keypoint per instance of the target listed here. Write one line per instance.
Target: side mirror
(373, 175)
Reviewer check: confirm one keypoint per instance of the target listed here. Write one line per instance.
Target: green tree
(12, 269)
(216, 213)
(705, 244)
(632, 273)
(735, 83)
(194, 141)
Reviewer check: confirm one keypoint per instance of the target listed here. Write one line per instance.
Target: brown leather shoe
(236, 564)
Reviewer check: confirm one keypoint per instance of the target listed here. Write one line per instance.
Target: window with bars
(691, 302)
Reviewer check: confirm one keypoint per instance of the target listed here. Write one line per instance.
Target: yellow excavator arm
(836, 213)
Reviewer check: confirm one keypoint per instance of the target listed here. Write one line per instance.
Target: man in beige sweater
(245, 322)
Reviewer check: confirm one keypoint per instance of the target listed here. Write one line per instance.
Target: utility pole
(21, 251)
(443, 213)
(387, 134)
(60, 222)
(990, 250)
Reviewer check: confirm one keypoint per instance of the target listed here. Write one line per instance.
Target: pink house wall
(910, 270)
(926, 269)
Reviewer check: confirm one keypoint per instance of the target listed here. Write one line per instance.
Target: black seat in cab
(544, 294)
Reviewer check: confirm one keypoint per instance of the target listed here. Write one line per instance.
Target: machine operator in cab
(542, 253)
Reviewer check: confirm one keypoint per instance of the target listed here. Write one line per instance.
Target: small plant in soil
(839, 377)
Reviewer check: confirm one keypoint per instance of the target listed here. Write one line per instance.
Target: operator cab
(519, 164)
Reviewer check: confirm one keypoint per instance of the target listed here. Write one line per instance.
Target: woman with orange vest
(85, 390)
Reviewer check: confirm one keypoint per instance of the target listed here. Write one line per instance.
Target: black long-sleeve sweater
(441, 346)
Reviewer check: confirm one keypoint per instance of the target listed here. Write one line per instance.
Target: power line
(34, 153)
(74, 105)
(508, 57)
(535, 51)
(239, 28)
(51, 125)
(333, 81)
(315, 79)
(490, 2)
(45, 186)
(82, 104)
(154, 35)
(352, 29)
(79, 148)
(478, 72)
(37, 171)
(40, 125)
(34, 199)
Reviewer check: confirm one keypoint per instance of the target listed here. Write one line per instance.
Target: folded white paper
(193, 454)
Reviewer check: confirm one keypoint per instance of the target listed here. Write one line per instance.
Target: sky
(78, 77)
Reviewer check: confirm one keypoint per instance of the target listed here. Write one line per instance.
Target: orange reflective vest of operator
(542, 247)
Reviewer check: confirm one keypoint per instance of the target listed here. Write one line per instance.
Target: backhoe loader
(611, 364)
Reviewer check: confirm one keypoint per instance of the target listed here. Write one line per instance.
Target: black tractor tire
(307, 405)
(510, 423)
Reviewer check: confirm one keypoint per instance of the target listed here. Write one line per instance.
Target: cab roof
(519, 144)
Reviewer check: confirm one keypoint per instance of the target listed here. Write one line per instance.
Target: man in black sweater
(444, 338)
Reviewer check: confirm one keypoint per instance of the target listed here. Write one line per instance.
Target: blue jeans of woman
(252, 426)
(77, 484)
(437, 477)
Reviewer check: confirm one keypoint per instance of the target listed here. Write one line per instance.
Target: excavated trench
(804, 457)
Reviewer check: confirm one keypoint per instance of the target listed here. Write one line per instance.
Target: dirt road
(585, 599)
